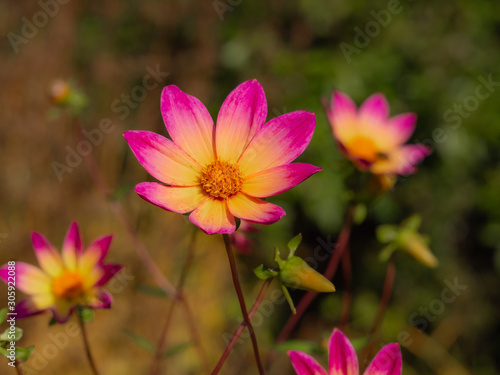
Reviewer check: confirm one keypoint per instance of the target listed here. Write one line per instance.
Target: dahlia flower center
(221, 179)
(67, 286)
(364, 148)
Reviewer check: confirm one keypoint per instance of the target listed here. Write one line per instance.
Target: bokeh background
(427, 57)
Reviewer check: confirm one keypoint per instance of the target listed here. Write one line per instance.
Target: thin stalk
(390, 275)
(86, 345)
(18, 368)
(242, 326)
(340, 248)
(180, 297)
(241, 300)
(347, 296)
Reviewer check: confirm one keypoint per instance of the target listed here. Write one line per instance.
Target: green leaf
(413, 222)
(141, 341)
(386, 252)
(177, 349)
(85, 313)
(293, 244)
(3, 315)
(387, 233)
(264, 273)
(23, 354)
(151, 290)
(18, 333)
(303, 346)
(288, 298)
(52, 321)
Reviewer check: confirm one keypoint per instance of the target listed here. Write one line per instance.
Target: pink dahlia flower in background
(343, 360)
(63, 281)
(370, 139)
(221, 172)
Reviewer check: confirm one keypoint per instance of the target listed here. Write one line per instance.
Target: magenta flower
(343, 359)
(370, 139)
(219, 173)
(65, 280)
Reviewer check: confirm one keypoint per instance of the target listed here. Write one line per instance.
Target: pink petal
(304, 364)
(171, 198)
(26, 308)
(30, 279)
(342, 108)
(254, 210)
(110, 270)
(188, 123)
(72, 247)
(278, 179)
(279, 142)
(100, 246)
(163, 159)
(342, 356)
(102, 301)
(241, 116)
(212, 216)
(48, 257)
(403, 161)
(403, 126)
(387, 362)
(375, 108)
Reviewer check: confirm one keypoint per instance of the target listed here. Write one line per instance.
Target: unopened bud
(296, 273)
(59, 91)
(414, 244)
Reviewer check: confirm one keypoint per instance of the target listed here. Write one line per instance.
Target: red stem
(242, 326)
(390, 275)
(347, 295)
(241, 300)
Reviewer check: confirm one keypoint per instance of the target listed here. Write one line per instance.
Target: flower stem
(340, 248)
(347, 295)
(86, 345)
(18, 368)
(242, 326)
(180, 297)
(241, 299)
(390, 275)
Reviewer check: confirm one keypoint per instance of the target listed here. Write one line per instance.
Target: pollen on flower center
(364, 148)
(221, 179)
(68, 285)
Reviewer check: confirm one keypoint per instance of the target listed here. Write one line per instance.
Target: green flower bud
(295, 273)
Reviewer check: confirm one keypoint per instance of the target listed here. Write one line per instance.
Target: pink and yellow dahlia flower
(343, 360)
(370, 139)
(219, 173)
(63, 281)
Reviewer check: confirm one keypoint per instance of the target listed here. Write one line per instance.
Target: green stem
(241, 300)
(86, 345)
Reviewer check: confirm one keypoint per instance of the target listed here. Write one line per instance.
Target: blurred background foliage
(427, 57)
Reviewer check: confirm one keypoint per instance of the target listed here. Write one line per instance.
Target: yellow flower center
(69, 285)
(221, 179)
(363, 147)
